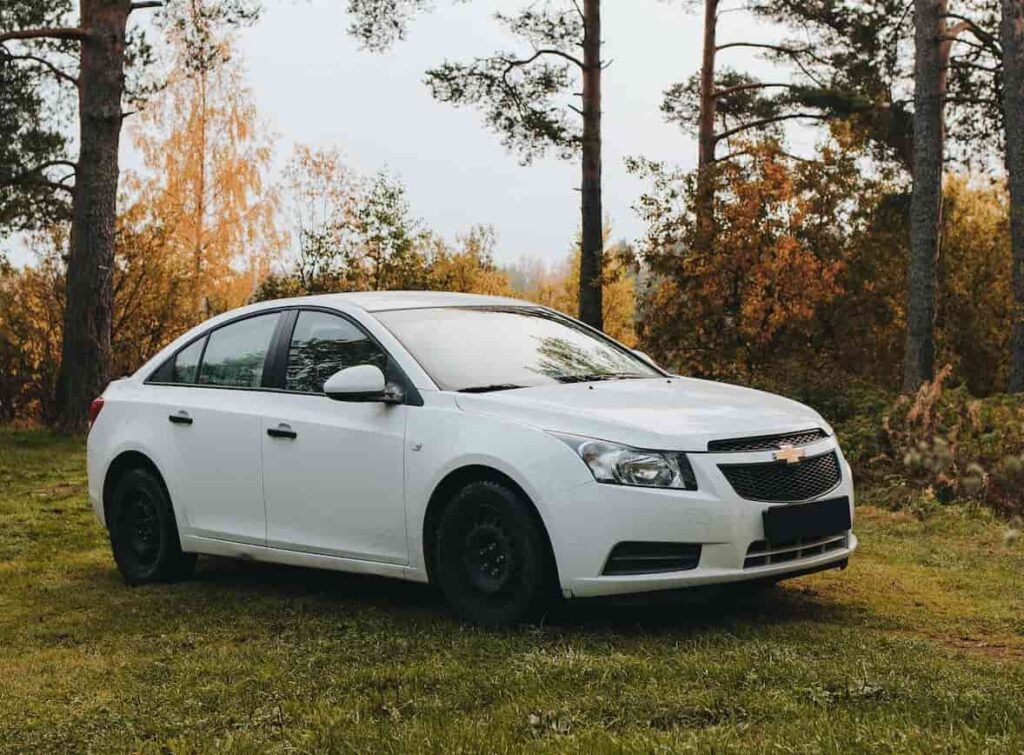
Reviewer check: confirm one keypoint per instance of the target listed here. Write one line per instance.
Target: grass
(919, 646)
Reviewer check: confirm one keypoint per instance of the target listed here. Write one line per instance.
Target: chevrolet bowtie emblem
(789, 454)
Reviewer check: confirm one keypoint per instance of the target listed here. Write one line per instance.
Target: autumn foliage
(775, 265)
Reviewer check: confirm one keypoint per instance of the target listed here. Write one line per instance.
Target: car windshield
(481, 349)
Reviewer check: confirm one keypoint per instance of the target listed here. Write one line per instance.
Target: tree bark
(1012, 34)
(926, 199)
(200, 208)
(706, 139)
(85, 354)
(591, 260)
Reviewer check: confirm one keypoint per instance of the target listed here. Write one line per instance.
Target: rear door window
(236, 353)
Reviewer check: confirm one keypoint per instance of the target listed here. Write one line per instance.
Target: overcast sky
(315, 86)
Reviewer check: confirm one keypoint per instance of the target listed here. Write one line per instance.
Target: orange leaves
(775, 260)
(785, 286)
(766, 254)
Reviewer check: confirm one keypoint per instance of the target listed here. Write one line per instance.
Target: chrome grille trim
(767, 442)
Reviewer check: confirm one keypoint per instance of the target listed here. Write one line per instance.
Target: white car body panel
(352, 490)
(338, 488)
(677, 414)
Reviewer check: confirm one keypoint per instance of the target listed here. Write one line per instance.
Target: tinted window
(187, 362)
(236, 352)
(181, 368)
(480, 348)
(321, 345)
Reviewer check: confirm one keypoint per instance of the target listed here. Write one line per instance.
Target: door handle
(181, 418)
(282, 431)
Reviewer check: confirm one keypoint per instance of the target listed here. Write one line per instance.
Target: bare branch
(57, 185)
(38, 169)
(54, 33)
(747, 87)
(764, 46)
(973, 100)
(734, 155)
(545, 51)
(949, 40)
(145, 4)
(737, 9)
(966, 24)
(61, 75)
(767, 122)
(956, 62)
(795, 55)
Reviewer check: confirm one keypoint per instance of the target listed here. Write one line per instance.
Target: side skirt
(247, 552)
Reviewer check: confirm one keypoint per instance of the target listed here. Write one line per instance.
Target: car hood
(679, 414)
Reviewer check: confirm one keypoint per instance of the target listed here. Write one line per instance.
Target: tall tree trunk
(1012, 33)
(926, 200)
(706, 141)
(200, 208)
(591, 260)
(85, 355)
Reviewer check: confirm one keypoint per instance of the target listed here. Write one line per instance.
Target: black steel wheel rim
(140, 529)
(489, 555)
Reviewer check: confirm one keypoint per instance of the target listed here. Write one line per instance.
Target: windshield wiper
(598, 376)
(491, 388)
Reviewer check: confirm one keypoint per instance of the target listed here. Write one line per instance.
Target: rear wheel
(491, 557)
(144, 533)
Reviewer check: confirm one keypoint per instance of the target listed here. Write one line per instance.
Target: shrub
(959, 446)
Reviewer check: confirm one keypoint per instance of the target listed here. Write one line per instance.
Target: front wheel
(144, 533)
(491, 557)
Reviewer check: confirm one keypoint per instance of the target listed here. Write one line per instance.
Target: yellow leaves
(469, 267)
(558, 288)
(207, 156)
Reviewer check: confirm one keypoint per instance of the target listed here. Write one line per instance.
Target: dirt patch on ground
(1007, 648)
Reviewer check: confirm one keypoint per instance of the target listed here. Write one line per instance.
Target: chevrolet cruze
(497, 449)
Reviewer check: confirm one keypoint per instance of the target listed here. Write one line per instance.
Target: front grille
(648, 558)
(767, 442)
(763, 553)
(780, 482)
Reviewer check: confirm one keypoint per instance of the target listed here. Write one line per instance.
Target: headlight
(622, 465)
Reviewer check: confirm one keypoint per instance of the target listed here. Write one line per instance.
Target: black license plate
(806, 521)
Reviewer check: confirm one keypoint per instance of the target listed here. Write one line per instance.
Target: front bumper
(588, 521)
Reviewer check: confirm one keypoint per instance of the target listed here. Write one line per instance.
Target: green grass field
(919, 646)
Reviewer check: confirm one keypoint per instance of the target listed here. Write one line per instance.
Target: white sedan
(497, 449)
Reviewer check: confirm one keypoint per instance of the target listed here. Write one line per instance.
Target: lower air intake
(651, 558)
(763, 553)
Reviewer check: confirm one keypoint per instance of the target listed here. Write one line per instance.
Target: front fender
(449, 439)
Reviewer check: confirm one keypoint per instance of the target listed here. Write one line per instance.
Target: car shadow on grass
(696, 609)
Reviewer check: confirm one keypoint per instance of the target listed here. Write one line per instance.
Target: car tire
(491, 556)
(144, 532)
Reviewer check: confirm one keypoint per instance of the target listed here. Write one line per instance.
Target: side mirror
(646, 358)
(364, 382)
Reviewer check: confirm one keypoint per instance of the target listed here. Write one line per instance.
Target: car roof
(380, 301)
(368, 301)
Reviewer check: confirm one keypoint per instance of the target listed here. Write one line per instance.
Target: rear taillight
(94, 409)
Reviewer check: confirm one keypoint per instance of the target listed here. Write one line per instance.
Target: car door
(210, 404)
(333, 471)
